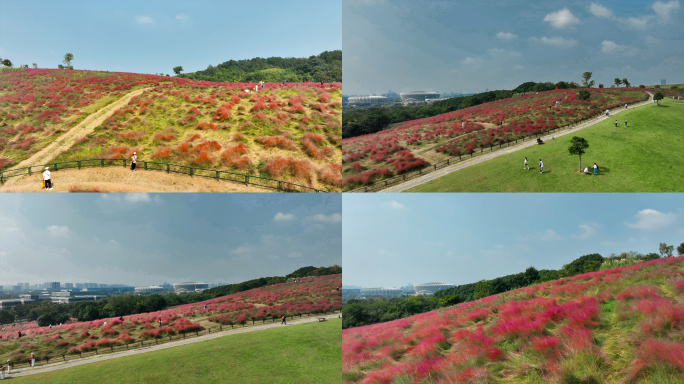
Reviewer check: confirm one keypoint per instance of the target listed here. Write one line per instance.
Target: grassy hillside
(306, 353)
(310, 295)
(644, 157)
(415, 144)
(288, 132)
(613, 326)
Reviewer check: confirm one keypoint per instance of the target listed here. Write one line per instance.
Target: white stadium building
(386, 292)
(367, 100)
(430, 288)
(190, 287)
(418, 96)
(148, 290)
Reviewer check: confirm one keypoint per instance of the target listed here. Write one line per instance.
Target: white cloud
(665, 11)
(523, 247)
(641, 22)
(555, 41)
(58, 230)
(183, 18)
(612, 48)
(241, 250)
(599, 10)
(506, 36)
(549, 235)
(144, 20)
(332, 218)
(284, 217)
(561, 19)
(588, 230)
(648, 219)
(294, 254)
(395, 205)
(470, 60)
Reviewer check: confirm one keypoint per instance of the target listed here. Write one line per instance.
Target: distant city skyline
(422, 45)
(156, 36)
(459, 238)
(146, 239)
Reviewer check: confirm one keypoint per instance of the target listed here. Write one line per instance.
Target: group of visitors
(587, 172)
(616, 123)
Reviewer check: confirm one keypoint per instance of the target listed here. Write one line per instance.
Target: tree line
(363, 121)
(359, 312)
(325, 67)
(47, 313)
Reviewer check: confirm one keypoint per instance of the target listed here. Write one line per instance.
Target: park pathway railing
(279, 185)
(133, 345)
(398, 179)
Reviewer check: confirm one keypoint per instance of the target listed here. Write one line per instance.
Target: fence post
(55, 166)
(167, 167)
(246, 180)
(145, 162)
(123, 162)
(280, 186)
(79, 164)
(102, 162)
(217, 175)
(2, 178)
(191, 169)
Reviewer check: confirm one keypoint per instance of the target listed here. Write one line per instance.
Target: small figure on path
(625, 106)
(2, 372)
(541, 166)
(615, 123)
(19, 337)
(462, 124)
(9, 367)
(33, 359)
(525, 165)
(256, 88)
(625, 123)
(205, 306)
(160, 323)
(46, 179)
(283, 322)
(595, 169)
(134, 158)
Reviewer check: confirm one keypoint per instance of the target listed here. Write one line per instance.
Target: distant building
(392, 95)
(385, 292)
(149, 290)
(74, 299)
(190, 287)
(51, 285)
(663, 82)
(430, 288)
(68, 285)
(367, 100)
(418, 96)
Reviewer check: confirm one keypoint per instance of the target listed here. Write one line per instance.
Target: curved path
(83, 128)
(479, 159)
(94, 359)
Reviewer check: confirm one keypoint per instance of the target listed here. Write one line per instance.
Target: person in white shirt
(33, 360)
(595, 169)
(134, 158)
(586, 170)
(46, 179)
(541, 166)
(525, 165)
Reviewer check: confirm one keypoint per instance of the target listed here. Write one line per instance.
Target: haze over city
(146, 239)
(467, 47)
(390, 241)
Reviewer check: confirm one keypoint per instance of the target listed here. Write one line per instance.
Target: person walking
(134, 158)
(541, 166)
(615, 123)
(283, 322)
(595, 169)
(625, 123)
(47, 179)
(526, 165)
(160, 323)
(9, 367)
(2, 372)
(33, 359)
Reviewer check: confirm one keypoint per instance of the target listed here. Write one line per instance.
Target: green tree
(67, 59)
(35, 66)
(625, 82)
(178, 70)
(450, 300)
(7, 63)
(617, 82)
(583, 94)
(481, 289)
(586, 76)
(578, 145)
(680, 249)
(600, 85)
(665, 250)
(658, 96)
(6, 317)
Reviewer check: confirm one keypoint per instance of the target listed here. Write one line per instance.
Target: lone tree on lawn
(658, 96)
(178, 70)
(585, 80)
(67, 59)
(577, 147)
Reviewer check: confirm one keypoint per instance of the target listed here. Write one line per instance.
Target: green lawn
(646, 156)
(307, 353)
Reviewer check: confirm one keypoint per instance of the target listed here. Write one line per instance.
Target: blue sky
(467, 46)
(391, 240)
(144, 239)
(155, 36)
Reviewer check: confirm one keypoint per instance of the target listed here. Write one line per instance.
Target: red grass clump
(164, 136)
(207, 145)
(162, 153)
(299, 168)
(277, 141)
(204, 158)
(331, 174)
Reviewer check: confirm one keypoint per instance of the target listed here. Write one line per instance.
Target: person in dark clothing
(283, 322)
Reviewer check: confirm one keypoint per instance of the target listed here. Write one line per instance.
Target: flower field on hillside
(309, 295)
(404, 146)
(612, 326)
(289, 132)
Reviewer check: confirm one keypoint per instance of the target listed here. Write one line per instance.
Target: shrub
(277, 141)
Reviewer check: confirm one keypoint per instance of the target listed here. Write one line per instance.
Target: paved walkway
(479, 159)
(95, 359)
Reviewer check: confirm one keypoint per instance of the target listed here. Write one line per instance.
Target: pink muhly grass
(544, 342)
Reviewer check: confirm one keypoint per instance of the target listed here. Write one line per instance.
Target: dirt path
(83, 128)
(94, 359)
(120, 179)
(479, 159)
